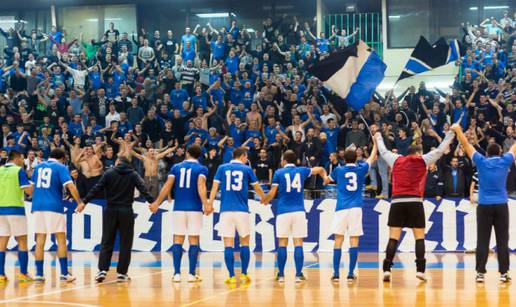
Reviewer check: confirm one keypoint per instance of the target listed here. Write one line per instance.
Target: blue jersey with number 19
(49, 178)
(290, 181)
(350, 179)
(234, 179)
(186, 194)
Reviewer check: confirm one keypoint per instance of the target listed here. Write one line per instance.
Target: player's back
(234, 178)
(492, 177)
(290, 181)
(186, 193)
(350, 179)
(49, 179)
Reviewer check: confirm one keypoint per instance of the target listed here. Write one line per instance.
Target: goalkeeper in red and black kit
(408, 187)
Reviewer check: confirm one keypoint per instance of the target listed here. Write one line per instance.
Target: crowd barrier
(450, 226)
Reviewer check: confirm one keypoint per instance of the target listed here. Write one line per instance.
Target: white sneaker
(176, 278)
(387, 276)
(505, 277)
(480, 277)
(38, 278)
(193, 278)
(67, 278)
(421, 276)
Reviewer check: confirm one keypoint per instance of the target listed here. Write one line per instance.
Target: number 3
(352, 185)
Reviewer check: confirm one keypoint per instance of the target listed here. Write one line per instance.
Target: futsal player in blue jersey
(234, 179)
(49, 178)
(288, 183)
(188, 179)
(492, 209)
(350, 180)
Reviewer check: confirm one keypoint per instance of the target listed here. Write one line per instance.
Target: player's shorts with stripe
(49, 222)
(13, 225)
(348, 220)
(187, 223)
(292, 224)
(407, 214)
(234, 221)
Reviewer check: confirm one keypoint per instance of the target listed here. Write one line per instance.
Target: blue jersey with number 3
(350, 179)
(234, 179)
(290, 181)
(186, 194)
(49, 179)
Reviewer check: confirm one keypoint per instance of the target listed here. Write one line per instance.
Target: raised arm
(387, 155)
(436, 154)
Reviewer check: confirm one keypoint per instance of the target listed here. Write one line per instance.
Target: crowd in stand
(148, 96)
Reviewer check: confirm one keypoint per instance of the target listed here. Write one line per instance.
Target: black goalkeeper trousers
(489, 216)
(113, 222)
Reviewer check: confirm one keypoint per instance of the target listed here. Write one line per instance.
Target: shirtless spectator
(150, 161)
(90, 166)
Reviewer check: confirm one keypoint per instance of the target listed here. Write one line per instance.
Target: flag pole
(366, 124)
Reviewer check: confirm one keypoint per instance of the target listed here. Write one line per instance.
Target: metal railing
(370, 25)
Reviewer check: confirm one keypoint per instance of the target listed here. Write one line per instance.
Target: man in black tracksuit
(118, 184)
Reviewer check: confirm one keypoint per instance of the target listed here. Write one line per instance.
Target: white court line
(55, 303)
(236, 289)
(91, 285)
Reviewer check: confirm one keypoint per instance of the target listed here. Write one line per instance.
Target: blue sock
(353, 255)
(2, 263)
(229, 259)
(177, 253)
(282, 260)
(193, 252)
(39, 267)
(245, 257)
(63, 263)
(23, 259)
(299, 258)
(337, 254)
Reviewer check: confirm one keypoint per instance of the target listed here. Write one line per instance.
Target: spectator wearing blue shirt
(218, 48)
(196, 131)
(232, 62)
(178, 96)
(199, 100)
(76, 126)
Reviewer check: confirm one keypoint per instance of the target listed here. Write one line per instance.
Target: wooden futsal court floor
(451, 283)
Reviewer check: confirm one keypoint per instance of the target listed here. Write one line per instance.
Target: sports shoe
(335, 278)
(351, 278)
(3, 279)
(123, 278)
(231, 280)
(387, 276)
(300, 278)
(176, 278)
(480, 277)
(101, 275)
(39, 278)
(380, 196)
(24, 278)
(194, 278)
(421, 276)
(505, 277)
(280, 278)
(67, 278)
(371, 187)
(245, 278)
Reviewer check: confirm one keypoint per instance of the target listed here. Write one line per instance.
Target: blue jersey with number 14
(186, 194)
(290, 181)
(49, 179)
(350, 179)
(234, 179)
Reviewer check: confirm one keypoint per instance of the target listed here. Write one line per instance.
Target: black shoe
(101, 275)
(335, 278)
(123, 278)
(351, 278)
(505, 277)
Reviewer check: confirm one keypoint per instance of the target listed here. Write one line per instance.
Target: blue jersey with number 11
(290, 181)
(350, 179)
(234, 179)
(186, 194)
(49, 179)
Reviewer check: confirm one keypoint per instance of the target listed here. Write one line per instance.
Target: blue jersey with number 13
(234, 179)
